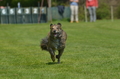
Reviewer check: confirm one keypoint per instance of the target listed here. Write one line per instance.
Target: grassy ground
(92, 51)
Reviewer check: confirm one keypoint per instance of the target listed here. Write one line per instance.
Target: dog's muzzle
(55, 33)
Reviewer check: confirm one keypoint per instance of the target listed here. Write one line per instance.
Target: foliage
(92, 51)
(81, 13)
(103, 12)
(31, 3)
(24, 3)
(118, 11)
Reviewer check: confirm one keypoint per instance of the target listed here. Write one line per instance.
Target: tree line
(24, 3)
(35, 3)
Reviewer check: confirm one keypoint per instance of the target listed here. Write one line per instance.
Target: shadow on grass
(52, 63)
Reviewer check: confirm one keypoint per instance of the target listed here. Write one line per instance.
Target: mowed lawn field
(92, 51)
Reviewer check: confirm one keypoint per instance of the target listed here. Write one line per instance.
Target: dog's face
(55, 29)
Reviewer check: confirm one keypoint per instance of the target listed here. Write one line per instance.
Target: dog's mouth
(55, 34)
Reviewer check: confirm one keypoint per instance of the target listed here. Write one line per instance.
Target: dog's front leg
(59, 54)
(52, 53)
(62, 42)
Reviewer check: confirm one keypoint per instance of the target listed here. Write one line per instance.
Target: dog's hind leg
(59, 54)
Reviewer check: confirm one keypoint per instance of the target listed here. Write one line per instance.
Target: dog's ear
(51, 24)
(59, 24)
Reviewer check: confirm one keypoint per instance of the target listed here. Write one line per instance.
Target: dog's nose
(54, 31)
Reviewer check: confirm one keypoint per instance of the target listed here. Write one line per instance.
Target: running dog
(54, 41)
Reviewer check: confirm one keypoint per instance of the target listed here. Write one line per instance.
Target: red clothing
(91, 3)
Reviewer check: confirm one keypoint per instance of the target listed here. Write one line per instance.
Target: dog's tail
(44, 44)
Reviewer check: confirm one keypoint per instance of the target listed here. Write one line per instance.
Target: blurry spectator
(74, 10)
(91, 6)
(18, 4)
(1, 7)
(61, 10)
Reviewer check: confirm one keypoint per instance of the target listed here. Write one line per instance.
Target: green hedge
(103, 11)
(118, 12)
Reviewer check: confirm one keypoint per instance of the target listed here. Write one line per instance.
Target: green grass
(92, 51)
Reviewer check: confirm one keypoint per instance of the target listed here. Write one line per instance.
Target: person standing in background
(91, 5)
(18, 4)
(74, 10)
